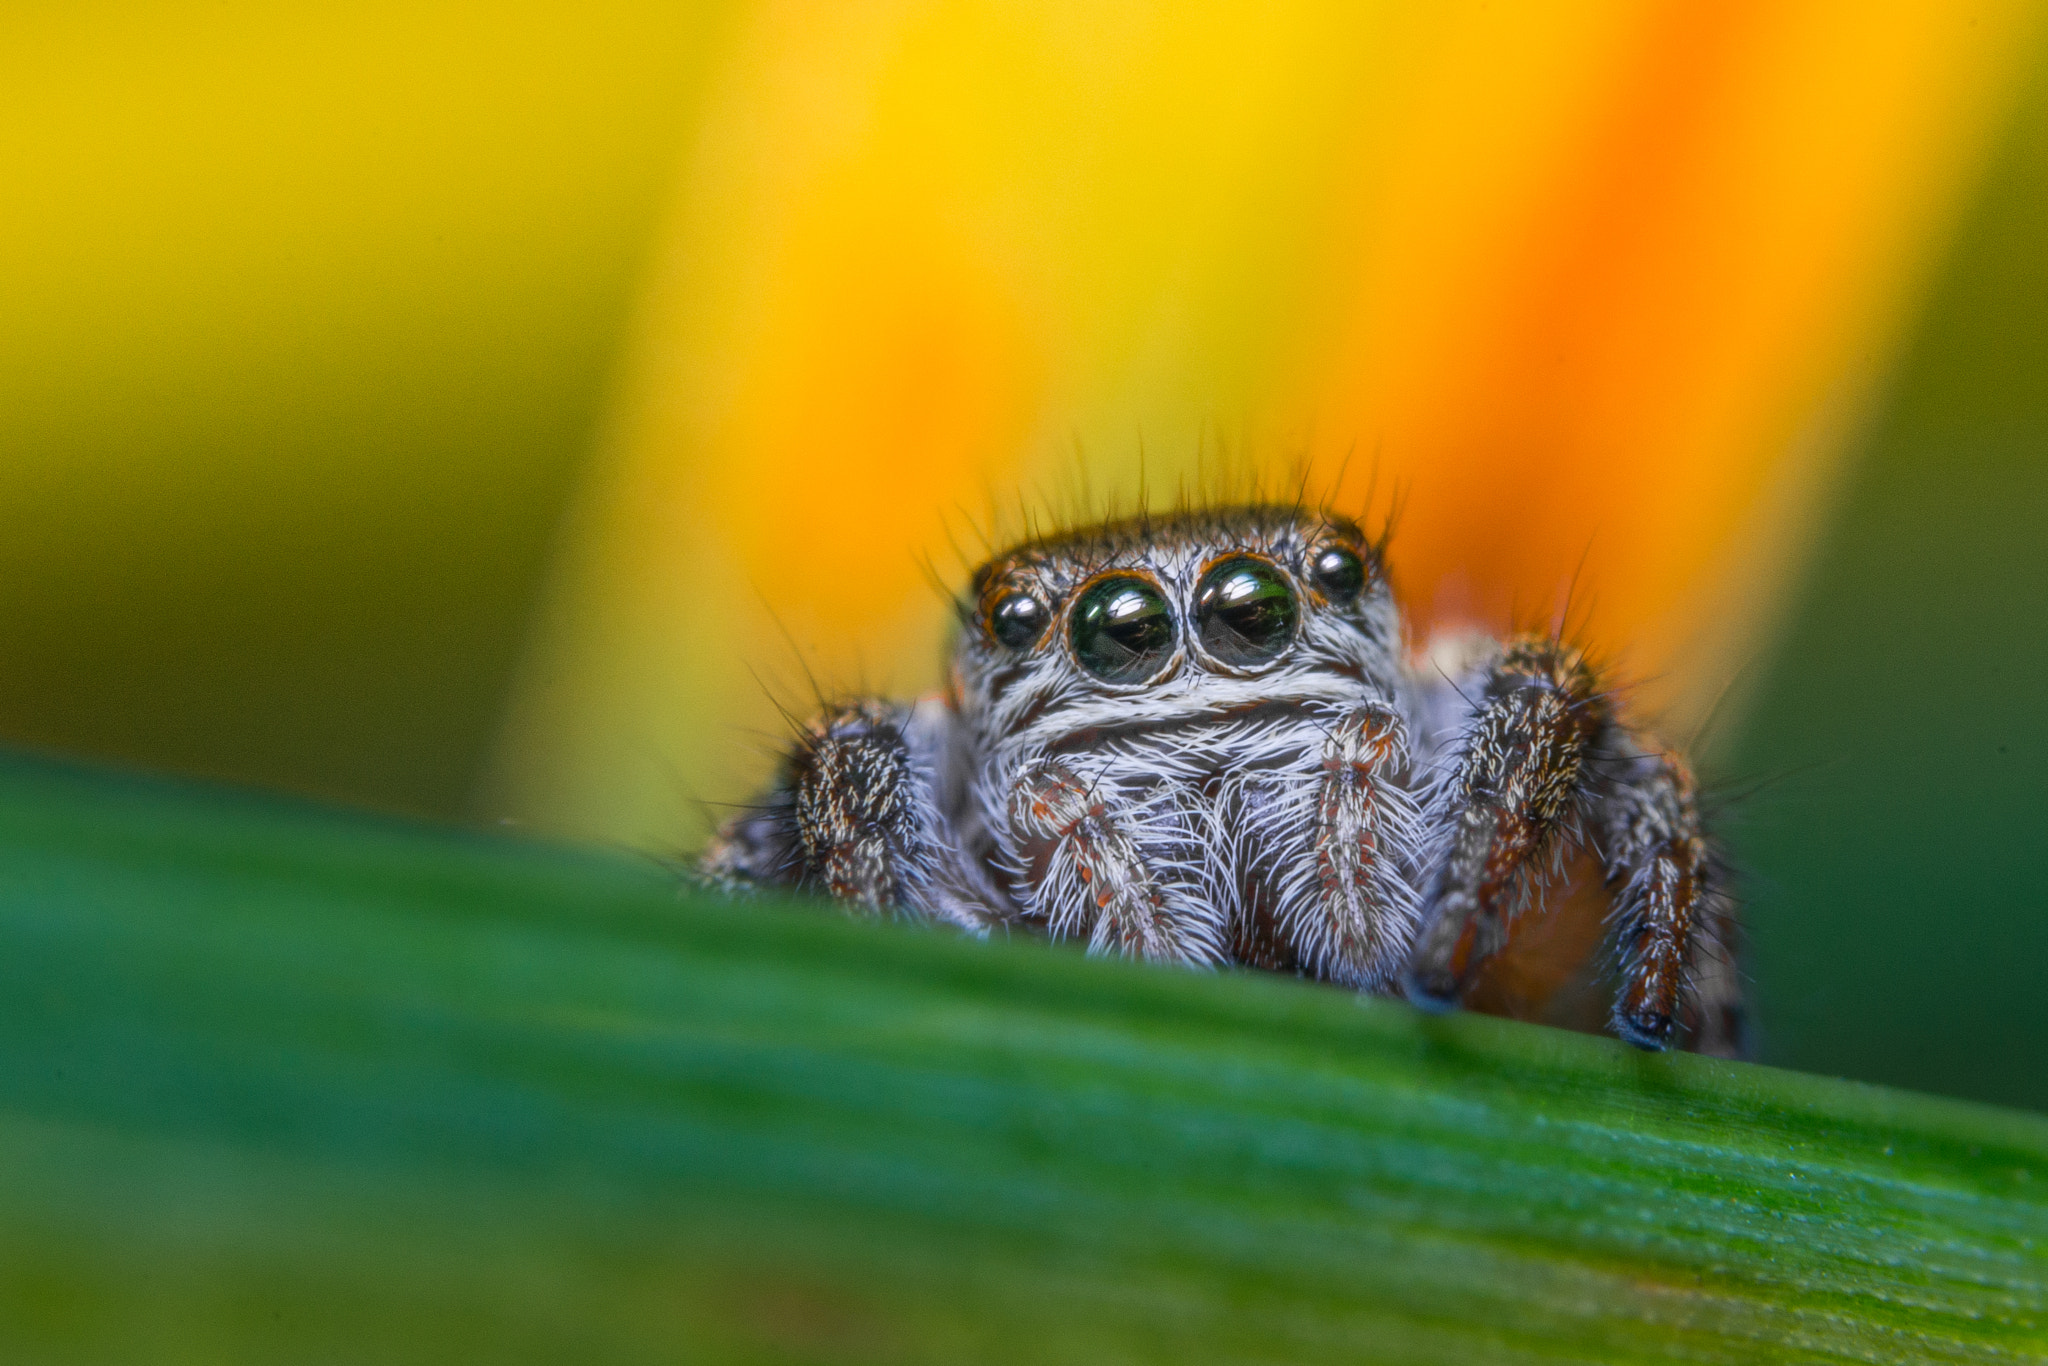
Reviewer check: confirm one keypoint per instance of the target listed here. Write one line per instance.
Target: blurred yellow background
(486, 411)
(306, 314)
(1597, 281)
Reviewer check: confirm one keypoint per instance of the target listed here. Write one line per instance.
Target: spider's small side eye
(1244, 612)
(1122, 630)
(1338, 572)
(1017, 620)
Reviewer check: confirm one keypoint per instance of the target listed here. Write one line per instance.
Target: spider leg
(1352, 924)
(1509, 811)
(851, 815)
(1672, 925)
(1089, 873)
(1715, 1010)
(1545, 757)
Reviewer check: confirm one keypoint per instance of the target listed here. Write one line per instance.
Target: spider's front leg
(851, 815)
(1544, 752)
(1090, 867)
(1350, 912)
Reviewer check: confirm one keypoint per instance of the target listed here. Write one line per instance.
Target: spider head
(1187, 618)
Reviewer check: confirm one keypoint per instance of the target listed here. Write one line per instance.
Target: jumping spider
(1200, 739)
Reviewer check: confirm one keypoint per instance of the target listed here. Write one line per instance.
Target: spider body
(1201, 739)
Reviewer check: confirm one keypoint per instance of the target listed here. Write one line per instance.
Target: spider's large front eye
(1017, 620)
(1244, 612)
(1122, 630)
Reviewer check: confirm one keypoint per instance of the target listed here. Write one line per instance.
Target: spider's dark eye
(1244, 612)
(1338, 572)
(1122, 630)
(1017, 620)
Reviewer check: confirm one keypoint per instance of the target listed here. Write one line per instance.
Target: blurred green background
(280, 467)
(1897, 850)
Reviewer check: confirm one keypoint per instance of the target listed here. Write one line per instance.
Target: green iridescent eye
(1244, 612)
(1122, 630)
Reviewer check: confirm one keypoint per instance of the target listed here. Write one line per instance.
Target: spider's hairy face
(1165, 621)
(1199, 739)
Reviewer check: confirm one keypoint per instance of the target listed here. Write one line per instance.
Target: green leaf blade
(280, 1084)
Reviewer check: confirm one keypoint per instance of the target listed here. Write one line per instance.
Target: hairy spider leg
(1544, 753)
(1714, 1012)
(1089, 874)
(1357, 919)
(1668, 921)
(1508, 813)
(849, 817)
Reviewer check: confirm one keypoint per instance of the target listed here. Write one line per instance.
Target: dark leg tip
(1433, 991)
(1651, 1033)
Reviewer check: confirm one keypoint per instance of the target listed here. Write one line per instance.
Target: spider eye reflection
(1017, 620)
(1338, 572)
(1122, 630)
(1244, 612)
